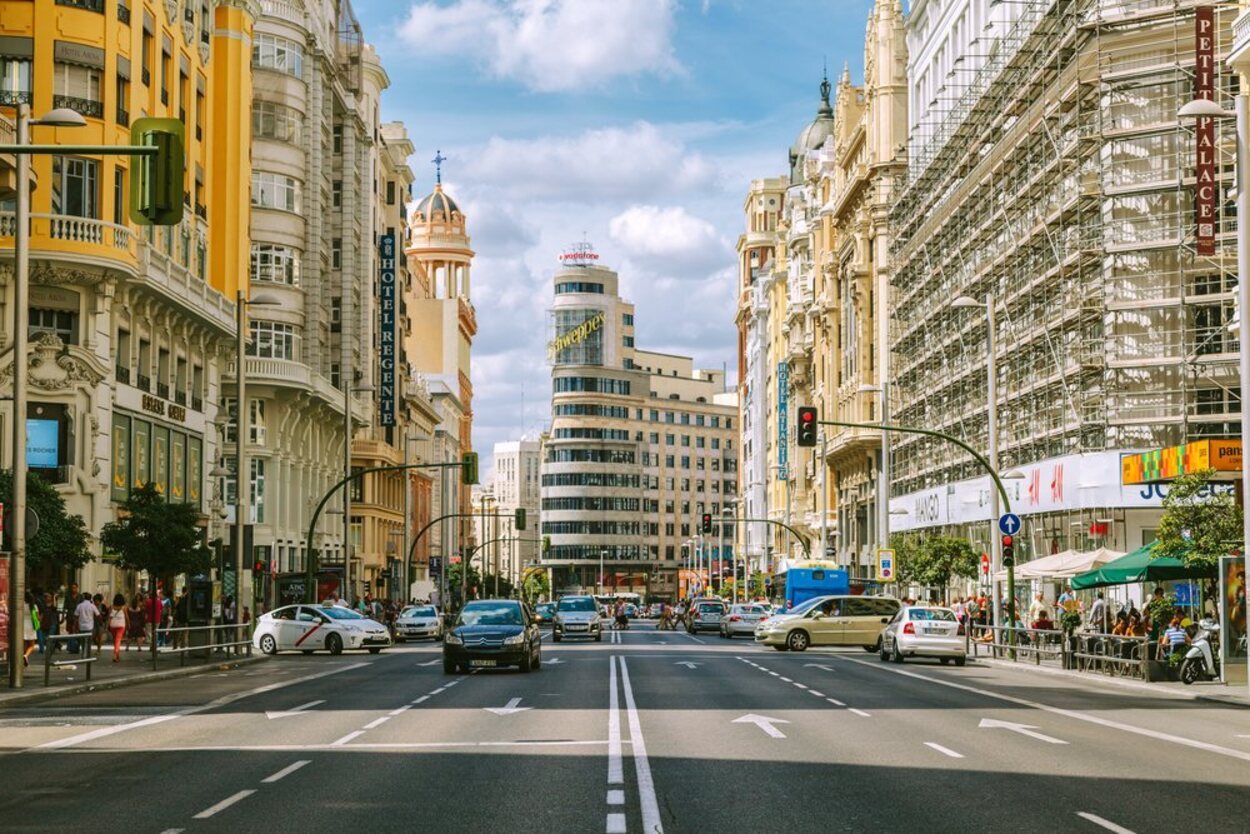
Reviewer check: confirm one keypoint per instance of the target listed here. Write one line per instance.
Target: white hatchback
(925, 631)
(418, 622)
(308, 628)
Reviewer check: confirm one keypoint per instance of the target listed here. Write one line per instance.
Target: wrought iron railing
(83, 106)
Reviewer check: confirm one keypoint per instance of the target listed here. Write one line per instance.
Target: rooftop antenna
(438, 161)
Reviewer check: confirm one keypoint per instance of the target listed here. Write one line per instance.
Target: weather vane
(438, 161)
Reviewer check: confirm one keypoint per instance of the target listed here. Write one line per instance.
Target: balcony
(144, 383)
(11, 98)
(123, 13)
(180, 397)
(122, 374)
(201, 211)
(146, 75)
(89, 5)
(162, 390)
(197, 404)
(84, 106)
(123, 118)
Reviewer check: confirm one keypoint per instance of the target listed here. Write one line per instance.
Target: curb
(51, 693)
(1228, 700)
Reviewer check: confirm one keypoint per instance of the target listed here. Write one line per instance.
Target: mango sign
(1174, 461)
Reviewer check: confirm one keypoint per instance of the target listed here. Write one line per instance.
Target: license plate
(481, 663)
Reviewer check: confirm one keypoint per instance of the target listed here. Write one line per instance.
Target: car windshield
(336, 613)
(490, 614)
(577, 604)
(803, 608)
(931, 614)
(711, 608)
(742, 609)
(427, 611)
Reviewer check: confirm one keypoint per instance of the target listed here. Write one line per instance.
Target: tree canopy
(932, 561)
(62, 541)
(1199, 524)
(156, 536)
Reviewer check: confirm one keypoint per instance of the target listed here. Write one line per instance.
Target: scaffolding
(1062, 184)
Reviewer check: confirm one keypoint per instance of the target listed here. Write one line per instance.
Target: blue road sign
(1009, 524)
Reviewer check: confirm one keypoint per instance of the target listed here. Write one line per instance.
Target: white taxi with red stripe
(308, 628)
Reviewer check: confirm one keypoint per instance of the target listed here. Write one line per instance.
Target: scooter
(1202, 662)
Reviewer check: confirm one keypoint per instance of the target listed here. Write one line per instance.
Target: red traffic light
(1006, 541)
(807, 415)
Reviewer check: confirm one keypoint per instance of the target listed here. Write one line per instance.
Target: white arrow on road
(510, 709)
(1022, 729)
(818, 666)
(764, 723)
(688, 664)
(300, 710)
(430, 663)
(553, 661)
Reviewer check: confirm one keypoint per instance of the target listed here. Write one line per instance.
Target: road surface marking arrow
(431, 663)
(287, 713)
(688, 664)
(510, 709)
(763, 722)
(1022, 729)
(553, 661)
(818, 666)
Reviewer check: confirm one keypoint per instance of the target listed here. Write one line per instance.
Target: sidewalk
(134, 667)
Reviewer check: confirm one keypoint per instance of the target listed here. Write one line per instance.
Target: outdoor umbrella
(1139, 567)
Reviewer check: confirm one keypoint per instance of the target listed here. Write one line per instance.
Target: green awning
(1139, 567)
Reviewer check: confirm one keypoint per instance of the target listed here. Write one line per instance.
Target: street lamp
(242, 436)
(60, 117)
(1207, 108)
(602, 553)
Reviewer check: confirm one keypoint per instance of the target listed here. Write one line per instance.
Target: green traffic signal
(156, 180)
(468, 468)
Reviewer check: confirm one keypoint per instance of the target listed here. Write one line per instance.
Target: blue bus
(802, 581)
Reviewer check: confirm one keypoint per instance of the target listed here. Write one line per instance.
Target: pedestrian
(1037, 605)
(179, 618)
(30, 627)
(100, 631)
(152, 609)
(1098, 614)
(69, 607)
(1175, 637)
(1067, 600)
(136, 621)
(117, 624)
(46, 609)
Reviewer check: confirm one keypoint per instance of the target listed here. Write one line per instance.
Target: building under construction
(1051, 172)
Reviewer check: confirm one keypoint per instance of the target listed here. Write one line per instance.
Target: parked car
(742, 619)
(925, 631)
(829, 621)
(418, 622)
(308, 628)
(493, 632)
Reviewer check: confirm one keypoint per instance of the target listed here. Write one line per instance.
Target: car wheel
(960, 661)
(527, 663)
(896, 655)
(555, 636)
(875, 647)
(781, 648)
(374, 649)
(599, 637)
(797, 640)
(308, 651)
(335, 644)
(944, 660)
(268, 645)
(882, 653)
(538, 661)
(449, 668)
(399, 640)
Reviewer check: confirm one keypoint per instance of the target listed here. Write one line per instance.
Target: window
(628, 341)
(685, 461)
(669, 417)
(654, 416)
(61, 323)
(119, 194)
(335, 375)
(256, 423)
(670, 439)
(336, 314)
(685, 440)
(14, 80)
(390, 192)
(685, 419)
(278, 54)
(336, 193)
(146, 56)
(165, 64)
(78, 87)
(627, 319)
(578, 286)
(669, 461)
(258, 486)
(336, 253)
(271, 340)
(75, 186)
(654, 438)
(715, 442)
(338, 139)
(588, 384)
(276, 191)
(275, 264)
(274, 121)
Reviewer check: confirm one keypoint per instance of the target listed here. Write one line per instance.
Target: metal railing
(228, 639)
(1109, 654)
(83, 655)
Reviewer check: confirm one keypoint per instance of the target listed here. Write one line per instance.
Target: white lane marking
(775, 674)
(1022, 729)
(799, 685)
(859, 712)
(436, 691)
(422, 698)
(817, 694)
(764, 722)
(348, 738)
(218, 702)
(173, 831)
(615, 775)
(377, 722)
(553, 661)
(616, 797)
(364, 745)
(300, 710)
(646, 786)
(284, 772)
(692, 637)
(511, 708)
(835, 702)
(1067, 713)
(1107, 824)
(615, 824)
(402, 709)
(450, 684)
(945, 751)
(224, 804)
(787, 680)
(688, 664)
(431, 663)
(817, 666)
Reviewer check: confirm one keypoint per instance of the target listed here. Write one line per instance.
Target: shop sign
(1185, 459)
(577, 335)
(783, 420)
(386, 282)
(1204, 168)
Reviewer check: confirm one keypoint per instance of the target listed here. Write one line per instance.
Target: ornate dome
(814, 135)
(437, 202)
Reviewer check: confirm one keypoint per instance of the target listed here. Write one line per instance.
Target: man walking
(84, 617)
(1098, 615)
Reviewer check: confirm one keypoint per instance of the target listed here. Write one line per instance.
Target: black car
(493, 632)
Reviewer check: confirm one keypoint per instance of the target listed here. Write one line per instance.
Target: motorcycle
(1202, 661)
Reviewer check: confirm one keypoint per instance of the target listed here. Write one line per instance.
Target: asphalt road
(643, 732)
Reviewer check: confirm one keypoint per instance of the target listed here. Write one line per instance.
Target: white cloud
(598, 166)
(551, 45)
(669, 241)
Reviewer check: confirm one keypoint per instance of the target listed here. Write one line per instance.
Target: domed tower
(439, 305)
(814, 135)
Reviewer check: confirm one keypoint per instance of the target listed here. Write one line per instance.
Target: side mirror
(885, 619)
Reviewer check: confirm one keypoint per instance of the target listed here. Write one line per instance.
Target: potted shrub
(1069, 621)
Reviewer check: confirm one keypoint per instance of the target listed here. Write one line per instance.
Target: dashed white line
(348, 738)
(615, 774)
(835, 702)
(859, 712)
(224, 804)
(616, 797)
(945, 751)
(800, 686)
(1107, 824)
(616, 824)
(377, 722)
(284, 772)
(436, 691)
(787, 680)
(774, 674)
(173, 831)
(402, 709)
(646, 785)
(422, 698)
(817, 694)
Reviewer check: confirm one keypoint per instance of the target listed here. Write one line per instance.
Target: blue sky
(637, 122)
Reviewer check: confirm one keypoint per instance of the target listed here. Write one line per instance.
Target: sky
(635, 124)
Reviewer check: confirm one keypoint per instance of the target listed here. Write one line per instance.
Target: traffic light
(156, 181)
(707, 522)
(258, 566)
(807, 426)
(1009, 555)
(468, 468)
(518, 518)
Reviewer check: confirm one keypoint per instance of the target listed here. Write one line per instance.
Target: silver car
(742, 619)
(925, 631)
(705, 615)
(418, 622)
(577, 617)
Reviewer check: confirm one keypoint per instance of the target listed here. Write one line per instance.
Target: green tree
(62, 541)
(157, 536)
(454, 572)
(947, 557)
(536, 586)
(909, 558)
(1199, 525)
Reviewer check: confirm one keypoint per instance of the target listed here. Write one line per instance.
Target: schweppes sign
(575, 336)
